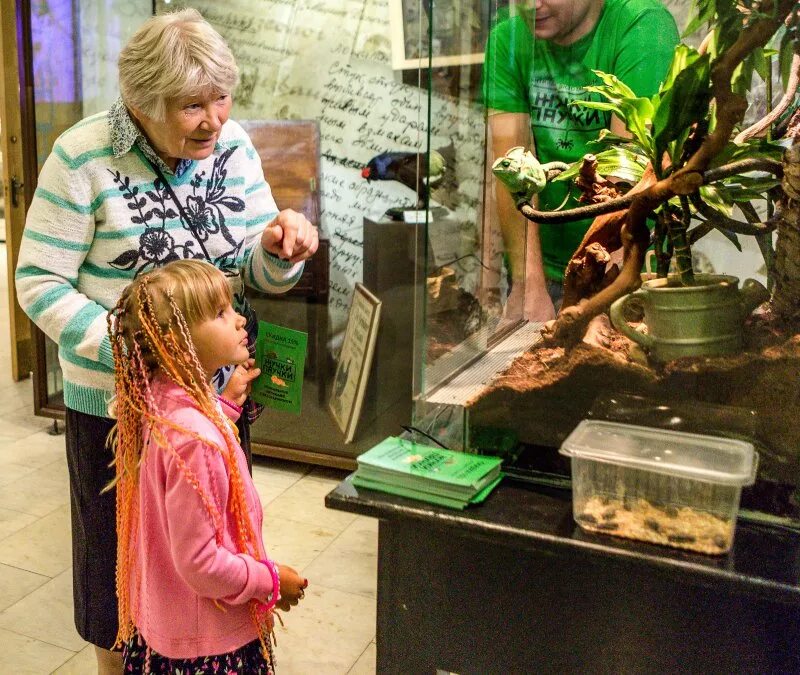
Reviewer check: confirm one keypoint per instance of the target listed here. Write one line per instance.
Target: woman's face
(190, 129)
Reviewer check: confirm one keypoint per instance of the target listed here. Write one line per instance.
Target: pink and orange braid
(165, 348)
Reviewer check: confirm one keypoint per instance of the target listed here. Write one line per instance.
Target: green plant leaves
(635, 111)
(747, 188)
(685, 102)
(755, 148)
(683, 58)
(705, 12)
(614, 162)
(786, 52)
(716, 199)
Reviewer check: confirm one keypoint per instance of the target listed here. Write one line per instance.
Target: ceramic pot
(701, 320)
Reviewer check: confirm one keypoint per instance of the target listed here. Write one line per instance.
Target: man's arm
(529, 297)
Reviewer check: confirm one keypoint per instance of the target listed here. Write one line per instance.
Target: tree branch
(788, 97)
(593, 210)
(720, 220)
(772, 166)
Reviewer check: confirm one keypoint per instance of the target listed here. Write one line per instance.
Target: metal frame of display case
(43, 406)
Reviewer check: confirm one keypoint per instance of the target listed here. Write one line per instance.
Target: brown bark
(594, 187)
(786, 297)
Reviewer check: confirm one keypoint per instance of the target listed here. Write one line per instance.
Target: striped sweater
(100, 216)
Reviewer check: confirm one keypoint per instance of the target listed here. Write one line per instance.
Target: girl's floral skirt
(139, 659)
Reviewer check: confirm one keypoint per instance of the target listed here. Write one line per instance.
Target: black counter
(513, 585)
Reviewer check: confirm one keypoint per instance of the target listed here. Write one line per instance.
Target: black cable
(455, 260)
(411, 430)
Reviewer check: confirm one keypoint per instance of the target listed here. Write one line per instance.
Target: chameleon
(522, 173)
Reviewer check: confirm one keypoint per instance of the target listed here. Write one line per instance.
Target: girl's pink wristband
(276, 586)
(231, 404)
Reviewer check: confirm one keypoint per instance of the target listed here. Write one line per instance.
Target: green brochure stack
(436, 475)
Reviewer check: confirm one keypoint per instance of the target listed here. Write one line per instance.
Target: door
(59, 60)
(17, 134)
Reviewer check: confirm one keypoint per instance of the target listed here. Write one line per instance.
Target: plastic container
(664, 487)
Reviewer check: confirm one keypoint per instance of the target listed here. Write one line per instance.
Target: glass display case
(419, 199)
(707, 344)
(69, 50)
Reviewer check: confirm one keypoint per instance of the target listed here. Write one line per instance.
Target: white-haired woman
(163, 175)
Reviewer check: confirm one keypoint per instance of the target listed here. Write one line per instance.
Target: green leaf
(762, 63)
(729, 23)
(731, 237)
(785, 54)
(615, 87)
(605, 137)
(755, 148)
(731, 194)
(635, 112)
(684, 57)
(614, 162)
(716, 198)
(684, 104)
(742, 76)
(675, 148)
(607, 140)
(756, 187)
(742, 195)
(598, 105)
(705, 12)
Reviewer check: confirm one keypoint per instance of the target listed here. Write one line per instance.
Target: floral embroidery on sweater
(202, 215)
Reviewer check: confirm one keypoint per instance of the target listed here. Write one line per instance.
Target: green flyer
(281, 356)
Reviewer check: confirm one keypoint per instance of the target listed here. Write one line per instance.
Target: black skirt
(247, 660)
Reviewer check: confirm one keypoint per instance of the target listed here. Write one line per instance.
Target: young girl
(195, 586)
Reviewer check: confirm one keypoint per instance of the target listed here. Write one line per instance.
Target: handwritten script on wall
(313, 59)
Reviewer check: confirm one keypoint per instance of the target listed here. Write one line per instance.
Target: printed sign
(281, 356)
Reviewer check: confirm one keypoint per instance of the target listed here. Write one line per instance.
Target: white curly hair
(173, 56)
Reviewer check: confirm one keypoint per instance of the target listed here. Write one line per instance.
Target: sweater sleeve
(263, 271)
(59, 231)
(210, 569)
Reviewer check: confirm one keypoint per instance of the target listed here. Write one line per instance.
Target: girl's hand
(240, 382)
(292, 588)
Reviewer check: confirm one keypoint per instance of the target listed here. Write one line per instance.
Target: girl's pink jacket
(179, 568)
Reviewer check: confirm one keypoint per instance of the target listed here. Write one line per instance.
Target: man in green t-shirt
(538, 60)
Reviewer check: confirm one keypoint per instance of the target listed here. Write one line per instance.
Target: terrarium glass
(524, 383)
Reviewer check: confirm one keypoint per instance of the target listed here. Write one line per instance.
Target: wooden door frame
(18, 143)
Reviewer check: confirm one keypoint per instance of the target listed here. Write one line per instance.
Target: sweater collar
(125, 134)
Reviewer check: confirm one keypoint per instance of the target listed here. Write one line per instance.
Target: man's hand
(292, 588)
(290, 236)
(240, 382)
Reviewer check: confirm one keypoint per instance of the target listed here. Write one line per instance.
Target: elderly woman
(164, 174)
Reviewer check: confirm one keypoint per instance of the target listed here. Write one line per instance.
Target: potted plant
(689, 162)
(689, 165)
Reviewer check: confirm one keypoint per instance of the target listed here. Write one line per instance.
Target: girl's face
(220, 341)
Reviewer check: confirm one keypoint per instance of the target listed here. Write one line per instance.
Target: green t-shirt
(633, 39)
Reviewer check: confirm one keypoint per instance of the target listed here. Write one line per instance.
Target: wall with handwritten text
(312, 59)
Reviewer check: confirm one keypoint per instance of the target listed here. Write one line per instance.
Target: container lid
(708, 458)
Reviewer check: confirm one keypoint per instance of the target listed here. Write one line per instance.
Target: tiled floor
(332, 631)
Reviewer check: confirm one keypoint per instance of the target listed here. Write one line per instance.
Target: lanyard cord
(181, 211)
